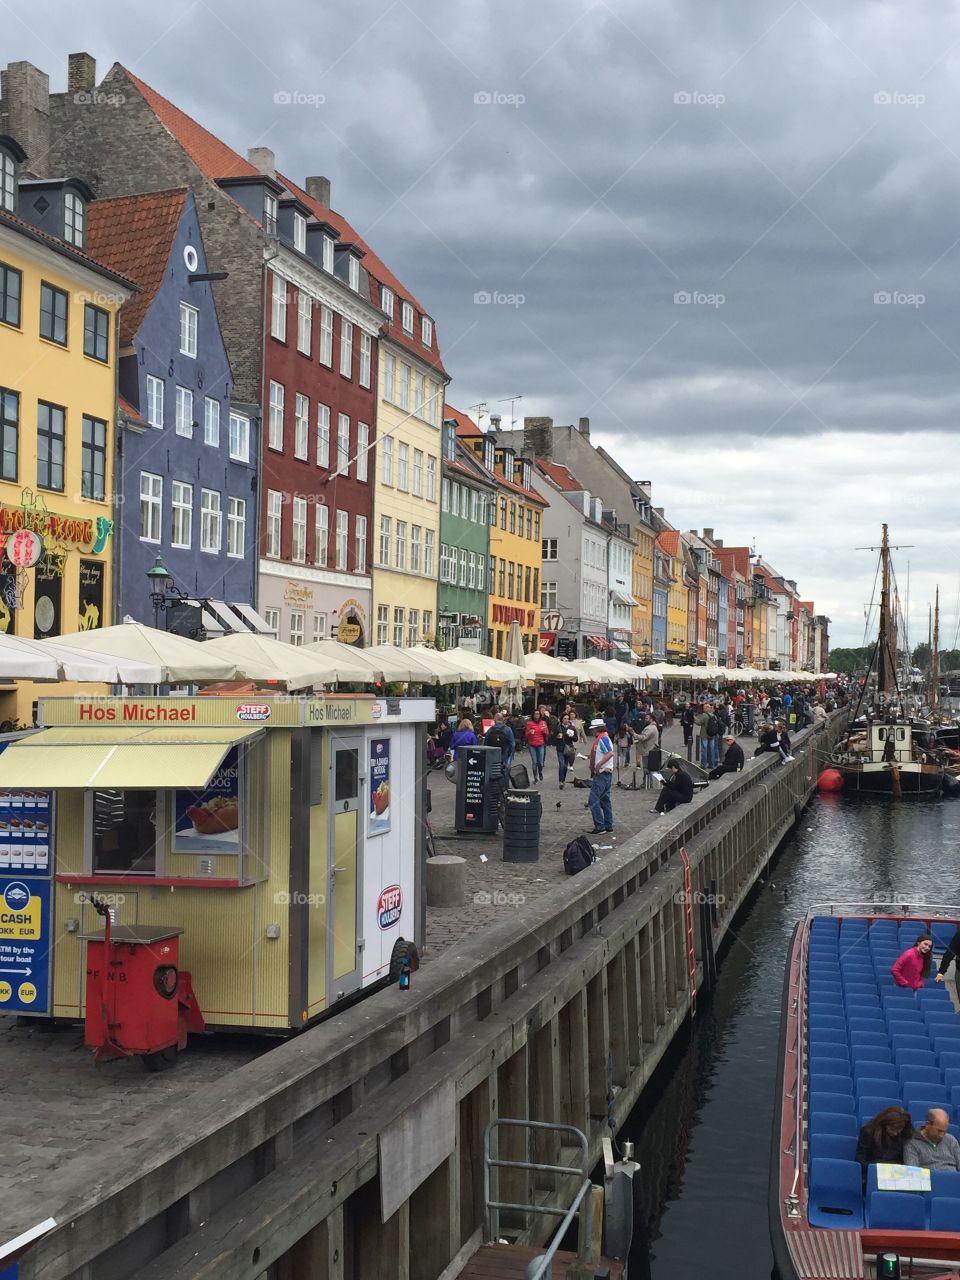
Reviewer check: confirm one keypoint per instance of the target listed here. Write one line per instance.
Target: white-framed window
(548, 549)
(366, 352)
(417, 485)
(548, 595)
(398, 626)
(363, 450)
(274, 521)
(384, 555)
(416, 544)
(184, 419)
(413, 627)
(211, 422)
(188, 330)
(471, 571)
(272, 618)
(403, 379)
(210, 520)
(181, 500)
(444, 562)
(304, 322)
(428, 551)
(400, 545)
(328, 254)
(445, 494)
(321, 534)
(431, 478)
(383, 623)
(319, 627)
(388, 378)
(236, 527)
(8, 182)
(296, 627)
(74, 219)
(454, 498)
(155, 401)
(151, 506)
(275, 437)
(426, 331)
(323, 435)
(301, 427)
(270, 213)
(278, 308)
(403, 455)
(342, 534)
(474, 506)
(418, 386)
(428, 624)
(353, 273)
(386, 301)
(360, 544)
(346, 348)
(299, 232)
(298, 546)
(463, 567)
(343, 444)
(239, 437)
(406, 317)
(326, 336)
(386, 459)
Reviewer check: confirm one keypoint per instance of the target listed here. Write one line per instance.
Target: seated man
(677, 788)
(732, 761)
(932, 1147)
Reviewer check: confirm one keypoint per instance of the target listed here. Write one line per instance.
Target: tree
(921, 656)
(849, 661)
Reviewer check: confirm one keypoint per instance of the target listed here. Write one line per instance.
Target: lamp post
(160, 583)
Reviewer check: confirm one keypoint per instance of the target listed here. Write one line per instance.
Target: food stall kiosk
(279, 839)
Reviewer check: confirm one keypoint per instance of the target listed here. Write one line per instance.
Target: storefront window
(125, 832)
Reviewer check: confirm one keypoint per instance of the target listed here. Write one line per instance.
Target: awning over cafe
(119, 759)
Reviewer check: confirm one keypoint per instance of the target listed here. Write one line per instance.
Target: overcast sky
(727, 233)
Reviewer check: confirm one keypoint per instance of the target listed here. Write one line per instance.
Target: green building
(467, 495)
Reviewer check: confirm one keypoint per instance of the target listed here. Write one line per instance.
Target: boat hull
(882, 780)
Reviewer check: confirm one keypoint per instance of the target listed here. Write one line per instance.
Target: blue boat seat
(944, 1213)
(831, 1100)
(832, 1146)
(833, 1059)
(834, 1197)
(837, 1122)
(945, 1182)
(906, 1210)
(876, 1038)
(827, 1035)
(868, 1107)
(910, 1042)
(870, 1070)
(916, 1078)
(820, 1083)
(875, 1087)
(919, 1057)
(919, 1098)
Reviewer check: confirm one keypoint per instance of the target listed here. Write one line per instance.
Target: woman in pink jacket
(536, 733)
(913, 967)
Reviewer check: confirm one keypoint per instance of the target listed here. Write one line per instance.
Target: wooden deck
(509, 1262)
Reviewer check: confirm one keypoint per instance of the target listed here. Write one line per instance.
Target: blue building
(662, 581)
(187, 455)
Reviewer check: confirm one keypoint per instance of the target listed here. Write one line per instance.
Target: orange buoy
(830, 780)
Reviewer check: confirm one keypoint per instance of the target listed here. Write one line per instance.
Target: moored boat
(853, 1043)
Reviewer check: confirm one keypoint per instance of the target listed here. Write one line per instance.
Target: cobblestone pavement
(494, 886)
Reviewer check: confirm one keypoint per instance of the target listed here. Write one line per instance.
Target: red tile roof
(561, 476)
(218, 160)
(465, 425)
(668, 540)
(61, 247)
(737, 558)
(128, 411)
(467, 429)
(134, 236)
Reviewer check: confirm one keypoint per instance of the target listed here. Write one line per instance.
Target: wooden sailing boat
(879, 755)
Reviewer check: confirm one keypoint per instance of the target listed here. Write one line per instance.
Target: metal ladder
(688, 923)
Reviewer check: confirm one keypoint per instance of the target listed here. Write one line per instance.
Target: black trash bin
(522, 811)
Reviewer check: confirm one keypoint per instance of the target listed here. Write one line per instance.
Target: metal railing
(540, 1268)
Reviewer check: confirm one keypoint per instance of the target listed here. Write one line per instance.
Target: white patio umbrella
(491, 669)
(344, 663)
(513, 649)
(263, 658)
(545, 667)
(449, 665)
(24, 660)
(85, 666)
(594, 671)
(180, 660)
(404, 664)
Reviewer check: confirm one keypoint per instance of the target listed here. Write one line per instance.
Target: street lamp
(160, 583)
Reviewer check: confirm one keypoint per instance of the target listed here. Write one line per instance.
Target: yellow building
(58, 366)
(643, 592)
(515, 552)
(677, 597)
(407, 494)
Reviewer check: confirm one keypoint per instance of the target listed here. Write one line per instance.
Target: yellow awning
(119, 759)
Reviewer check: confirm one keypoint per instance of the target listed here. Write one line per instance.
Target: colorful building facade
(467, 500)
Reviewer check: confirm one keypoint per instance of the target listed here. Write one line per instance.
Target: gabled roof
(467, 429)
(734, 559)
(466, 426)
(669, 541)
(218, 160)
(561, 476)
(60, 246)
(134, 235)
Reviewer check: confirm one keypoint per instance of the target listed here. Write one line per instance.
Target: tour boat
(852, 1043)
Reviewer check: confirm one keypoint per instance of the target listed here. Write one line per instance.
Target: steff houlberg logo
(253, 711)
(376, 710)
(389, 906)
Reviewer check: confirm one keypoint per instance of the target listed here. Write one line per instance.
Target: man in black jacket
(732, 761)
(677, 788)
(952, 953)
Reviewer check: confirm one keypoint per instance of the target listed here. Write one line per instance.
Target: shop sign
(349, 632)
(24, 548)
(91, 595)
(253, 711)
(389, 906)
(547, 640)
(209, 820)
(378, 816)
(25, 944)
(83, 533)
(48, 594)
(25, 827)
(506, 613)
(297, 593)
(552, 621)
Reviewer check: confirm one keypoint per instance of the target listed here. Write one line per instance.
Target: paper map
(902, 1177)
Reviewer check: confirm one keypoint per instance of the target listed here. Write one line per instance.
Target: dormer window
(407, 317)
(270, 213)
(488, 454)
(328, 254)
(426, 331)
(353, 273)
(8, 181)
(74, 219)
(386, 301)
(299, 233)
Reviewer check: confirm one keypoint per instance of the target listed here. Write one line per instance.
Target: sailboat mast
(885, 674)
(934, 698)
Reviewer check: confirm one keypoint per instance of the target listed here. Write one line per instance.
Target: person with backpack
(601, 770)
(565, 740)
(709, 727)
(501, 735)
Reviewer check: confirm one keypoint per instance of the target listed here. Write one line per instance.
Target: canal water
(703, 1134)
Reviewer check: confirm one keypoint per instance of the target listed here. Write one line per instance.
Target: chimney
(495, 420)
(262, 158)
(707, 534)
(718, 542)
(25, 113)
(538, 437)
(319, 189)
(81, 73)
(584, 428)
